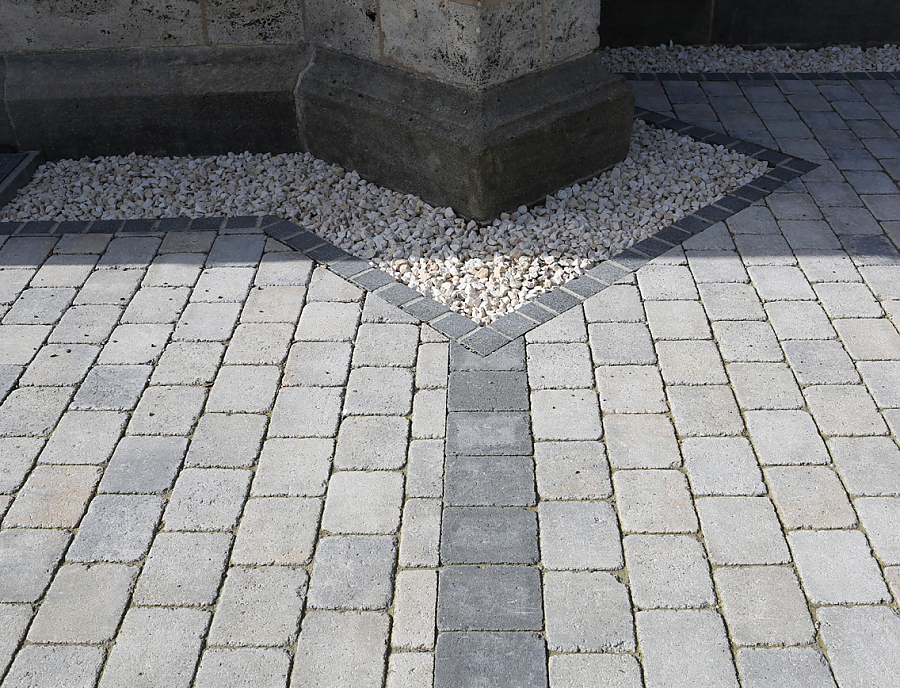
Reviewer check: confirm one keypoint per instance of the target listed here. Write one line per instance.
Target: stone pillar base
(480, 152)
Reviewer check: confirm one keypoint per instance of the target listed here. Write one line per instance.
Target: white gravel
(482, 271)
(719, 58)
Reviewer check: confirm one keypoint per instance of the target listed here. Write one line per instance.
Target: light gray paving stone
(559, 366)
(621, 344)
(654, 501)
(55, 665)
(259, 343)
(206, 499)
(244, 389)
(799, 320)
(722, 466)
(668, 571)
(207, 322)
(223, 285)
(691, 363)
(274, 305)
(326, 286)
(188, 363)
(167, 410)
(741, 531)
(116, 528)
(135, 344)
(410, 669)
(86, 325)
(15, 619)
(892, 576)
(293, 468)
(803, 667)
(33, 411)
(579, 536)
(862, 644)
(828, 266)
(414, 610)
(630, 389)
(17, 456)
(685, 648)
(53, 497)
(60, 364)
(843, 300)
(12, 282)
(64, 271)
(429, 335)
(570, 470)
(9, 375)
(565, 415)
(705, 410)
(109, 287)
(780, 283)
(284, 269)
(765, 386)
(820, 362)
(429, 414)
(587, 612)
(84, 437)
(39, 306)
(715, 238)
(716, 266)
(377, 310)
(869, 339)
(677, 320)
(577, 670)
(386, 345)
(156, 305)
(183, 569)
(21, 343)
(567, 328)
(425, 468)
(883, 380)
(306, 412)
(809, 497)
(617, 303)
(84, 604)
(129, 251)
(785, 437)
(353, 572)
(372, 443)
(666, 283)
(226, 440)
(844, 410)
(174, 269)
(328, 322)
(882, 280)
(880, 518)
(242, 668)
(747, 341)
(236, 250)
(320, 364)
(259, 607)
(763, 605)
(731, 302)
(341, 649)
(421, 533)
(380, 491)
(853, 577)
(379, 391)
(432, 365)
(144, 464)
(28, 559)
(112, 387)
(156, 646)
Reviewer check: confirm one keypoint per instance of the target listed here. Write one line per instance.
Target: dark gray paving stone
(488, 434)
(487, 391)
(489, 535)
(490, 660)
(491, 598)
(509, 357)
(489, 481)
(144, 464)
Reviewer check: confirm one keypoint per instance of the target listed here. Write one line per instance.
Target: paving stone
(9, 375)
(116, 528)
(579, 536)
(785, 437)
(421, 533)
(565, 415)
(156, 305)
(691, 363)
(109, 287)
(129, 251)
(353, 572)
(669, 571)
(372, 443)
(53, 497)
(244, 389)
(617, 303)
(112, 387)
(326, 286)
(144, 465)
(685, 648)
(654, 501)
(630, 389)
(377, 391)
(666, 283)
(747, 341)
(207, 322)
(207, 499)
(135, 344)
(33, 411)
(731, 302)
(716, 266)
(277, 530)
(575, 670)
(28, 559)
(319, 364)
(706, 410)
(493, 598)
(188, 363)
(488, 434)
(328, 322)
(166, 410)
(377, 310)
(489, 535)
(85, 325)
(259, 607)
(806, 235)
(17, 455)
(621, 344)
(55, 665)
(765, 386)
(843, 300)
(306, 412)
(341, 649)
(810, 497)
(223, 285)
(183, 569)
(176, 269)
(508, 357)
(60, 364)
(380, 491)
(259, 343)
(410, 669)
(844, 410)
(566, 328)
(226, 441)
(489, 481)
(432, 366)
(571, 470)
(12, 282)
(677, 320)
(84, 604)
(85, 437)
(39, 306)
(803, 667)
(15, 619)
(764, 249)
(500, 660)
(880, 517)
(741, 530)
(828, 266)
(763, 605)
(425, 468)
(284, 269)
(386, 345)
(273, 305)
(429, 414)
(19, 251)
(862, 644)
(820, 362)
(892, 576)
(883, 282)
(156, 646)
(869, 339)
(587, 612)
(883, 380)
(854, 577)
(236, 249)
(487, 391)
(21, 342)
(722, 466)
(242, 667)
(799, 320)
(559, 366)
(415, 603)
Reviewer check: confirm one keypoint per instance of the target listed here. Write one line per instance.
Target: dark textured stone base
(480, 152)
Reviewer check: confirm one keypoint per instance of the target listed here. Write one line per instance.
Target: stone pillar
(482, 105)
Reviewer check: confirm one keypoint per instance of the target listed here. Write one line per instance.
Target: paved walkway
(222, 465)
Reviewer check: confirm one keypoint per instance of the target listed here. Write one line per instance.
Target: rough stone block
(144, 465)
(488, 434)
(53, 497)
(318, 364)
(805, 667)
(630, 389)
(70, 665)
(566, 415)
(235, 666)
(415, 601)
(86, 437)
(862, 644)
(809, 497)
(785, 437)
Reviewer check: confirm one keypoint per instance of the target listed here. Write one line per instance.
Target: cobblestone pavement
(222, 465)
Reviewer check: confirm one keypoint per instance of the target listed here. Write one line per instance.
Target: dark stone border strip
(481, 339)
(22, 169)
(760, 76)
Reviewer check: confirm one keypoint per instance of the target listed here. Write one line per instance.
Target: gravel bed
(719, 58)
(480, 270)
